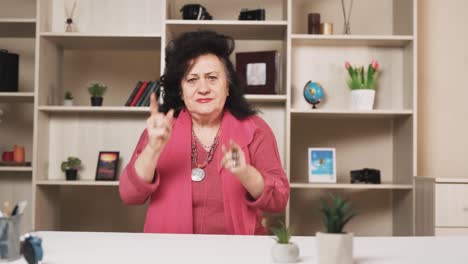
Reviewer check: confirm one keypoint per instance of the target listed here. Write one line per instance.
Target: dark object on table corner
(254, 14)
(31, 248)
(9, 67)
(365, 175)
(195, 12)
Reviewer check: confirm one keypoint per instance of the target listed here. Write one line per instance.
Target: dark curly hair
(188, 46)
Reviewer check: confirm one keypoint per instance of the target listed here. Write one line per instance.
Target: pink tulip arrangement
(359, 79)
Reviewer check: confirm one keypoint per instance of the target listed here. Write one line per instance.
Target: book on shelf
(141, 94)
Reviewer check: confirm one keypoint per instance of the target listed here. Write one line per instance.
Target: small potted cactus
(71, 167)
(97, 90)
(335, 246)
(284, 251)
(68, 99)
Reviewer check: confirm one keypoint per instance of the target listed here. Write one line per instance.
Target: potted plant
(362, 85)
(71, 167)
(68, 99)
(284, 250)
(335, 246)
(97, 90)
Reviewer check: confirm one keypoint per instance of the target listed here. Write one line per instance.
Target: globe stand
(315, 103)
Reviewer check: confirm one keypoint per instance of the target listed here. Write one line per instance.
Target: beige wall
(443, 88)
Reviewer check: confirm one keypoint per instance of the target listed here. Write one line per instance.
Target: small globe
(313, 93)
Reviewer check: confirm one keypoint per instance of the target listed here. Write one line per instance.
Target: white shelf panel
(352, 113)
(104, 41)
(94, 109)
(268, 30)
(14, 168)
(16, 97)
(260, 98)
(385, 186)
(18, 27)
(77, 183)
(352, 40)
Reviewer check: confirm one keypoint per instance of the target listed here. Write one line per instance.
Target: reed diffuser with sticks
(347, 16)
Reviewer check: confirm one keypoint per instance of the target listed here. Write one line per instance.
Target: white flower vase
(67, 102)
(285, 253)
(362, 99)
(334, 248)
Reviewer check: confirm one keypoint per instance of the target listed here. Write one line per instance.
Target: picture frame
(107, 165)
(259, 71)
(322, 165)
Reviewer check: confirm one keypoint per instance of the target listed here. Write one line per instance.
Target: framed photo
(108, 163)
(322, 165)
(259, 71)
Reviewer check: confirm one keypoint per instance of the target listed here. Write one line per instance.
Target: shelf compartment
(352, 40)
(16, 97)
(242, 30)
(77, 183)
(374, 142)
(388, 17)
(17, 27)
(379, 207)
(104, 41)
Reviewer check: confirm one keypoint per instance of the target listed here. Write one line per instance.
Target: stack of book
(140, 96)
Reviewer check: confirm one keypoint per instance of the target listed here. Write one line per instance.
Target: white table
(83, 247)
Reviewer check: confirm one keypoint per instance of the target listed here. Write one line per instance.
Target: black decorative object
(313, 20)
(254, 14)
(71, 175)
(195, 12)
(365, 175)
(96, 101)
(9, 66)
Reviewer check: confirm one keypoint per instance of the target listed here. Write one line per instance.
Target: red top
(174, 209)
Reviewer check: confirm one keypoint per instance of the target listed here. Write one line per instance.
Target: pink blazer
(170, 208)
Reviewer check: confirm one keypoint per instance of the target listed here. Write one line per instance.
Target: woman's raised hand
(158, 125)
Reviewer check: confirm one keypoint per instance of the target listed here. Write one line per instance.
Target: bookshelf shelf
(382, 186)
(91, 109)
(16, 97)
(15, 168)
(17, 27)
(352, 114)
(76, 183)
(242, 30)
(104, 41)
(352, 40)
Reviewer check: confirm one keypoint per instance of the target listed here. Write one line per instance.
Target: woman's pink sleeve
(265, 158)
(132, 188)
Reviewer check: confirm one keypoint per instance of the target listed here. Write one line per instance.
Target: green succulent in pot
(336, 214)
(71, 167)
(97, 91)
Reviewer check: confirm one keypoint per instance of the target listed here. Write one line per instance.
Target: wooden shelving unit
(124, 43)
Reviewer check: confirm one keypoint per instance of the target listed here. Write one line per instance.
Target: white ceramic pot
(285, 253)
(362, 99)
(68, 102)
(334, 248)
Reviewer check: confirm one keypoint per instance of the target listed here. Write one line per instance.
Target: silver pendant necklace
(198, 173)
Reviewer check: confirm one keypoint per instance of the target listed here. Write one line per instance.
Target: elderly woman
(207, 163)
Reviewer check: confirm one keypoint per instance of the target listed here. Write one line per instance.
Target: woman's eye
(191, 80)
(212, 78)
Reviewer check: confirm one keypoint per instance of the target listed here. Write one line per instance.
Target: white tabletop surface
(84, 247)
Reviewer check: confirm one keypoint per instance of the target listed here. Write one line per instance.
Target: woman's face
(205, 87)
